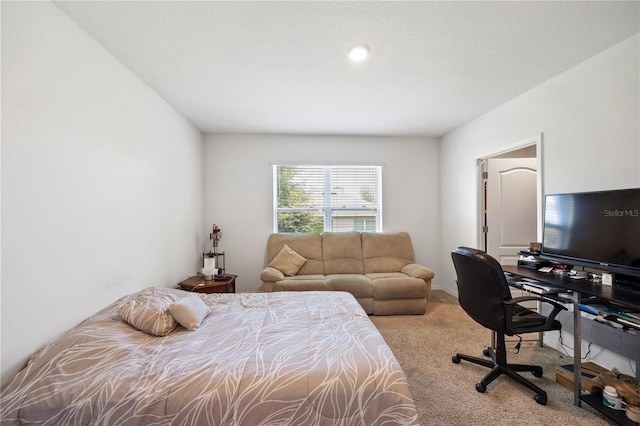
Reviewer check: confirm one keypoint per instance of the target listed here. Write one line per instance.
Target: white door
(511, 207)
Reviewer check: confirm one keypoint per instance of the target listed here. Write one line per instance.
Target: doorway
(510, 195)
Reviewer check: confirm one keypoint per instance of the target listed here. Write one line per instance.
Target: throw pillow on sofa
(288, 261)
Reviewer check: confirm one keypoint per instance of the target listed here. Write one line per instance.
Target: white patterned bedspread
(291, 358)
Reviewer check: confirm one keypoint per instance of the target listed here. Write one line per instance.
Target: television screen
(595, 229)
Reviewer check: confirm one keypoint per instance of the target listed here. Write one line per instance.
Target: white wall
(101, 181)
(590, 118)
(238, 190)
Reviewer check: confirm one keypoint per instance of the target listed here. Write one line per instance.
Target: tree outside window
(293, 201)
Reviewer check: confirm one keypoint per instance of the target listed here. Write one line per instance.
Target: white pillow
(189, 311)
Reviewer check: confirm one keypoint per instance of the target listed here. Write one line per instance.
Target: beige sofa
(377, 268)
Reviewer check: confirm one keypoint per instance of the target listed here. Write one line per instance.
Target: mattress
(290, 358)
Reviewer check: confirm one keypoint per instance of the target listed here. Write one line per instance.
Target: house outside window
(317, 198)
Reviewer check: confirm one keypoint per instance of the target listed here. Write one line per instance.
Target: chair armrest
(270, 274)
(418, 271)
(557, 307)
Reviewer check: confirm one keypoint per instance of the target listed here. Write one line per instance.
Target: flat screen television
(599, 230)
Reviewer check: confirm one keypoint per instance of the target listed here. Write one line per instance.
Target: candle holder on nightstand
(218, 262)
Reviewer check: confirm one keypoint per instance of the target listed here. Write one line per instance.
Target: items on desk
(589, 372)
(633, 413)
(531, 260)
(561, 266)
(612, 316)
(585, 296)
(625, 386)
(628, 320)
(578, 275)
(594, 277)
(620, 389)
(610, 320)
(535, 248)
(611, 399)
(590, 309)
(542, 288)
(531, 285)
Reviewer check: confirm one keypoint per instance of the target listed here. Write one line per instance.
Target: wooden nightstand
(199, 285)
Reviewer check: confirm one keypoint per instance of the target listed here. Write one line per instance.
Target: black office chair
(484, 294)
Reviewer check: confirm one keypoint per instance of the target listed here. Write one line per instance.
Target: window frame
(327, 209)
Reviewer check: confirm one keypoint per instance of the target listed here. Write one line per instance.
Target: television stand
(627, 282)
(608, 337)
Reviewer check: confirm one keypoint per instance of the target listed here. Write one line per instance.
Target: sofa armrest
(418, 271)
(270, 274)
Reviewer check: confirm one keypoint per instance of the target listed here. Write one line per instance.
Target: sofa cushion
(358, 285)
(397, 286)
(314, 277)
(367, 304)
(308, 246)
(301, 283)
(271, 274)
(386, 252)
(287, 261)
(400, 306)
(418, 271)
(342, 253)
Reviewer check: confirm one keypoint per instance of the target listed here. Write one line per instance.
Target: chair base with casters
(499, 365)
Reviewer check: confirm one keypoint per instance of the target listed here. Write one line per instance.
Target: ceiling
(281, 67)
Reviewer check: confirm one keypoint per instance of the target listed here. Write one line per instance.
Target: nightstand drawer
(198, 284)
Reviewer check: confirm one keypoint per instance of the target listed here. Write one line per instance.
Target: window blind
(338, 198)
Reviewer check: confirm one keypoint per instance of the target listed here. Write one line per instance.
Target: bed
(291, 358)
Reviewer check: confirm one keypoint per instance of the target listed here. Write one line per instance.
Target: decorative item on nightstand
(214, 260)
(215, 237)
(210, 269)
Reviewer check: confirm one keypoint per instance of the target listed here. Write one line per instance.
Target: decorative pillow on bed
(288, 261)
(189, 311)
(149, 312)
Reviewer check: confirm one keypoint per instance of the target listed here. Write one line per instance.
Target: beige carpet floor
(445, 392)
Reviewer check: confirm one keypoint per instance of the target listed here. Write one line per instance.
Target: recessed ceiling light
(359, 52)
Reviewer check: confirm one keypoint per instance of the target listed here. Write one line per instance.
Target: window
(316, 198)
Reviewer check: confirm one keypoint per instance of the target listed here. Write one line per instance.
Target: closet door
(511, 207)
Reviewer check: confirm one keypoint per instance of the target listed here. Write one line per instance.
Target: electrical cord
(564, 347)
(516, 349)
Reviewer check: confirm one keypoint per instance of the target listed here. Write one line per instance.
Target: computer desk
(575, 290)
